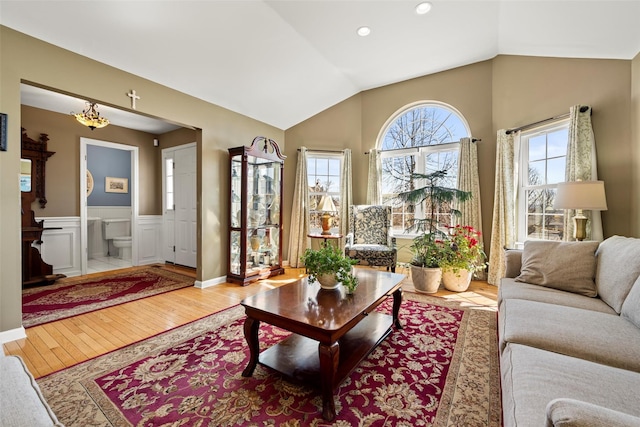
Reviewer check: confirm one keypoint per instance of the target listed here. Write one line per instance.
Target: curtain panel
(374, 185)
(346, 194)
(582, 166)
(298, 240)
(468, 180)
(503, 230)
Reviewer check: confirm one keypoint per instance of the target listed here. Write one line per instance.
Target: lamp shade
(587, 195)
(326, 204)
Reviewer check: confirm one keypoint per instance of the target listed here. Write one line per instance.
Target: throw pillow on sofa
(568, 266)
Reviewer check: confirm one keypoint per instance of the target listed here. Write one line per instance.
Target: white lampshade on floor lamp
(581, 196)
(327, 208)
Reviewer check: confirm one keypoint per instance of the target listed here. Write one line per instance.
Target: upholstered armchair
(370, 240)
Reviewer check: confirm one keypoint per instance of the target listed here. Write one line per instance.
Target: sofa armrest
(21, 400)
(575, 413)
(513, 262)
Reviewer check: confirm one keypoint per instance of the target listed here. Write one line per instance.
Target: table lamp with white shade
(327, 208)
(581, 195)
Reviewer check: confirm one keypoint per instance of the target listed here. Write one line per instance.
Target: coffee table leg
(329, 358)
(251, 327)
(397, 300)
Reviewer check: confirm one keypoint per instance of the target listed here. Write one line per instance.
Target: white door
(179, 217)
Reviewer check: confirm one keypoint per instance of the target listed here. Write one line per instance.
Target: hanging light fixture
(91, 118)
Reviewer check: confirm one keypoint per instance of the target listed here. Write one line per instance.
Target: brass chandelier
(91, 118)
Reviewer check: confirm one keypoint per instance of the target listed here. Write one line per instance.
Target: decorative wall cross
(133, 96)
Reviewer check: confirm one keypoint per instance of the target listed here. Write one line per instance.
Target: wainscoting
(61, 243)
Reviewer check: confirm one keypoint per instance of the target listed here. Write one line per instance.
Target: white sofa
(569, 334)
(21, 401)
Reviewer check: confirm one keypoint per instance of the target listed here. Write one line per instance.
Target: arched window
(420, 138)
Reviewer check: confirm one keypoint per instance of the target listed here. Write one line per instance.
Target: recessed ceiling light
(423, 8)
(364, 31)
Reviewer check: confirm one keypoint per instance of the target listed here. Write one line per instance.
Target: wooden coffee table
(332, 331)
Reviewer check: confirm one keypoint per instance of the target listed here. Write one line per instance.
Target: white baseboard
(211, 282)
(13, 335)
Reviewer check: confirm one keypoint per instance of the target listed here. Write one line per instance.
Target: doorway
(179, 208)
(96, 243)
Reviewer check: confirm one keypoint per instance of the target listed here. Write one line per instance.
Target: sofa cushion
(21, 400)
(569, 266)
(602, 338)
(618, 268)
(631, 306)
(510, 289)
(531, 378)
(574, 413)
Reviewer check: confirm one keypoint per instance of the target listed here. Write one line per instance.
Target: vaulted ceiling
(281, 61)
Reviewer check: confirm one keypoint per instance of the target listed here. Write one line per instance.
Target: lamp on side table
(581, 195)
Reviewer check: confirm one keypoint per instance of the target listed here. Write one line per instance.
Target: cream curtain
(470, 211)
(503, 230)
(298, 240)
(346, 194)
(468, 181)
(374, 196)
(581, 165)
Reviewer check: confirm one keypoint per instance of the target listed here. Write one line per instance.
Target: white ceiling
(283, 61)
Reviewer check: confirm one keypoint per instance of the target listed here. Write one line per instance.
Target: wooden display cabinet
(255, 214)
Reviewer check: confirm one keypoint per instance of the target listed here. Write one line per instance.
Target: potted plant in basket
(329, 266)
(463, 256)
(425, 264)
(428, 247)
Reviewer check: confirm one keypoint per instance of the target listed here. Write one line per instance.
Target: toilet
(118, 230)
(123, 243)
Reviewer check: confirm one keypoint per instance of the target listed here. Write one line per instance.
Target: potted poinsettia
(463, 256)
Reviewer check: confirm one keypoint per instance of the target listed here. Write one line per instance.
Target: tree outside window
(422, 138)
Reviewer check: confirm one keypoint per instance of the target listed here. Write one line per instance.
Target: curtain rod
(437, 145)
(583, 109)
(324, 151)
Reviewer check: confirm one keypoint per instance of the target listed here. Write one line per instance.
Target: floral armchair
(369, 240)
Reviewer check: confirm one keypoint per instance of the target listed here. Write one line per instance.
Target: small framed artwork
(3, 132)
(116, 185)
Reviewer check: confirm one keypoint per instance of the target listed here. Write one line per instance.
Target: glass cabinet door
(255, 216)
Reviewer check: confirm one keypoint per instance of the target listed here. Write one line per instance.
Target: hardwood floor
(63, 343)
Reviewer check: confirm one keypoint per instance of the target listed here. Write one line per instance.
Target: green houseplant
(329, 266)
(428, 247)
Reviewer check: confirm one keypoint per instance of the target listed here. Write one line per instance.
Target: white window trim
(522, 162)
(420, 151)
(324, 155)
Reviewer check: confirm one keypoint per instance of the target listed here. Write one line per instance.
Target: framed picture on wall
(116, 185)
(3, 132)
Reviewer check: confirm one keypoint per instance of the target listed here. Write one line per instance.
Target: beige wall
(505, 92)
(529, 89)
(635, 141)
(25, 59)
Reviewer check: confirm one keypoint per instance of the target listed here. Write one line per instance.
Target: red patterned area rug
(441, 369)
(78, 296)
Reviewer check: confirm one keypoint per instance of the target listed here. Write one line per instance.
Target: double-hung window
(423, 138)
(543, 157)
(323, 177)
